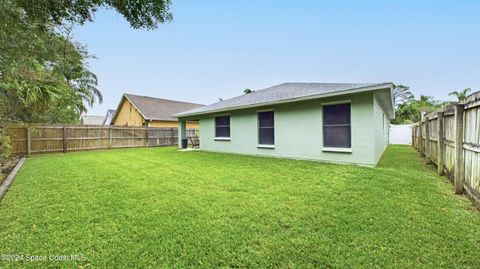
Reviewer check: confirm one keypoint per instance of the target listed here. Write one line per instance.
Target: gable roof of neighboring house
(292, 92)
(111, 112)
(92, 120)
(109, 116)
(152, 108)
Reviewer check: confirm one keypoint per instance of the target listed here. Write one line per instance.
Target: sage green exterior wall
(299, 132)
(382, 129)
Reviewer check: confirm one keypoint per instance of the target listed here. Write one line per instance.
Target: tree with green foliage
(146, 14)
(44, 74)
(461, 95)
(401, 94)
(411, 110)
(41, 70)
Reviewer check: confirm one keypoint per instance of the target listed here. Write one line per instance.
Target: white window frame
(334, 149)
(265, 146)
(215, 127)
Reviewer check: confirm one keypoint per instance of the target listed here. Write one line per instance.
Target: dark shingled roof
(282, 93)
(111, 112)
(109, 116)
(159, 109)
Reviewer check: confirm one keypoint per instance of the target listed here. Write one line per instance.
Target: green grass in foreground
(157, 207)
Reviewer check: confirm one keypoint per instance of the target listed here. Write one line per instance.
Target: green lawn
(160, 207)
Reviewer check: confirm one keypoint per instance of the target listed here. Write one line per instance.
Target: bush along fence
(450, 138)
(48, 139)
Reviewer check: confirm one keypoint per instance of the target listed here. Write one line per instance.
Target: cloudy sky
(216, 49)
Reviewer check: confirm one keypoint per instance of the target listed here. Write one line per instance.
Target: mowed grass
(157, 207)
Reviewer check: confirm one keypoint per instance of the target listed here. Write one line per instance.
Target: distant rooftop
(111, 112)
(92, 120)
(153, 108)
(283, 93)
(109, 116)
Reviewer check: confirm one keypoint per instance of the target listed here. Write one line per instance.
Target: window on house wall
(337, 126)
(222, 126)
(266, 129)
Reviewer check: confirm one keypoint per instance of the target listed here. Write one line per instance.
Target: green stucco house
(331, 122)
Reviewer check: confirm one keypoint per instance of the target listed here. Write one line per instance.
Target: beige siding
(128, 115)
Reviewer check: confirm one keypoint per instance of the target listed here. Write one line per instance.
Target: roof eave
(162, 119)
(387, 102)
(118, 109)
(393, 101)
(133, 104)
(291, 100)
(125, 97)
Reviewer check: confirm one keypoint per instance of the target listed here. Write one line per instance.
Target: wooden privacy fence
(450, 138)
(47, 139)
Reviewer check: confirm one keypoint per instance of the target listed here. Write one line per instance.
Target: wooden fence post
(415, 144)
(440, 161)
(29, 141)
(459, 164)
(427, 139)
(64, 139)
(420, 137)
(110, 137)
(172, 134)
(413, 136)
(146, 136)
(416, 137)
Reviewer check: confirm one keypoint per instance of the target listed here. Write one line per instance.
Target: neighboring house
(109, 117)
(333, 122)
(136, 110)
(91, 120)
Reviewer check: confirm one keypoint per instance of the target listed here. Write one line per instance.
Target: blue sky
(216, 49)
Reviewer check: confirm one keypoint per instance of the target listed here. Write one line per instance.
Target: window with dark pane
(222, 126)
(266, 130)
(336, 126)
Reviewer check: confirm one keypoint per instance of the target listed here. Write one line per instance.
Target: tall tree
(44, 74)
(33, 80)
(401, 94)
(411, 110)
(41, 67)
(461, 95)
(140, 14)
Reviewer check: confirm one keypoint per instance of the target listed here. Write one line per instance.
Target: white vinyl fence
(401, 134)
